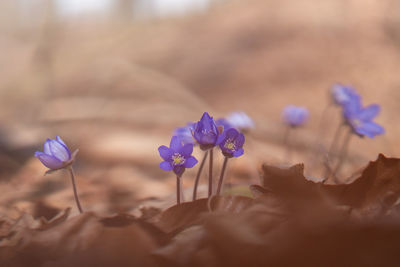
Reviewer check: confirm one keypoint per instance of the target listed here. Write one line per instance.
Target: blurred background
(114, 78)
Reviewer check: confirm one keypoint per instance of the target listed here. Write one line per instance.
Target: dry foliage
(291, 221)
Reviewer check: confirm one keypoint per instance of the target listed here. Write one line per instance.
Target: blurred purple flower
(240, 121)
(360, 118)
(294, 115)
(56, 154)
(343, 95)
(206, 132)
(223, 123)
(231, 143)
(177, 157)
(185, 134)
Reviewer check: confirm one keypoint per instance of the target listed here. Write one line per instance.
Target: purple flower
(360, 119)
(185, 134)
(206, 132)
(56, 154)
(294, 115)
(231, 143)
(223, 123)
(177, 157)
(343, 95)
(240, 121)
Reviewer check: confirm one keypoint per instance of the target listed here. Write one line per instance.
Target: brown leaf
(84, 240)
(379, 184)
(188, 213)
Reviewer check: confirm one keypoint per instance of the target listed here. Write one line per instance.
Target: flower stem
(178, 189)
(287, 144)
(196, 182)
(221, 178)
(343, 153)
(335, 139)
(210, 174)
(71, 171)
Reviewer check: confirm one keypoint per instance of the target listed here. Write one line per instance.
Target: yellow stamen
(229, 144)
(177, 159)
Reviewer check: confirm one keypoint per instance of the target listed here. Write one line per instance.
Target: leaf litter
(289, 221)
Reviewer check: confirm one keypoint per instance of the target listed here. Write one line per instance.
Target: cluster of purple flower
(207, 134)
(227, 134)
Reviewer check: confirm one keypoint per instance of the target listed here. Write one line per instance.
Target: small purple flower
(177, 157)
(206, 132)
(56, 154)
(343, 95)
(360, 119)
(185, 134)
(223, 123)
(294, 115)
(231, 143)
(240, 121)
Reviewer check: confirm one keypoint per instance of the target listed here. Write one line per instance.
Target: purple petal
(175, 144)
(238, 152)
(46, 148)
(370, 129)
(49, 161)
(190, 162)
(221, 138)
(59, 151)
(165, 153)
(60, 140)
(369, 112)
(240, 140)
(186, 150)
(166, 166)
(231, 133)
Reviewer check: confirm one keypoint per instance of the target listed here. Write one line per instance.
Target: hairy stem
(343, 153)
(71, 171)
(210, 174)
(221, 178)
(178, 189)
(287, 144)
(196, 182)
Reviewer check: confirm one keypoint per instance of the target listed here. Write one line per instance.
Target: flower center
(229, 144)
(177, 159)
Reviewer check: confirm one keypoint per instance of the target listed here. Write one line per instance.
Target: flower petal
(50, 162)
(59, 151)
(60, 140)
(370, 129)
(370, 112)
(175, 144)
(190, 162)
(240, 140)
(231, 133)
(46, 148)
(221, 138)
(186, 150)
(238, 152)
(166, 166)
(165, 153)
